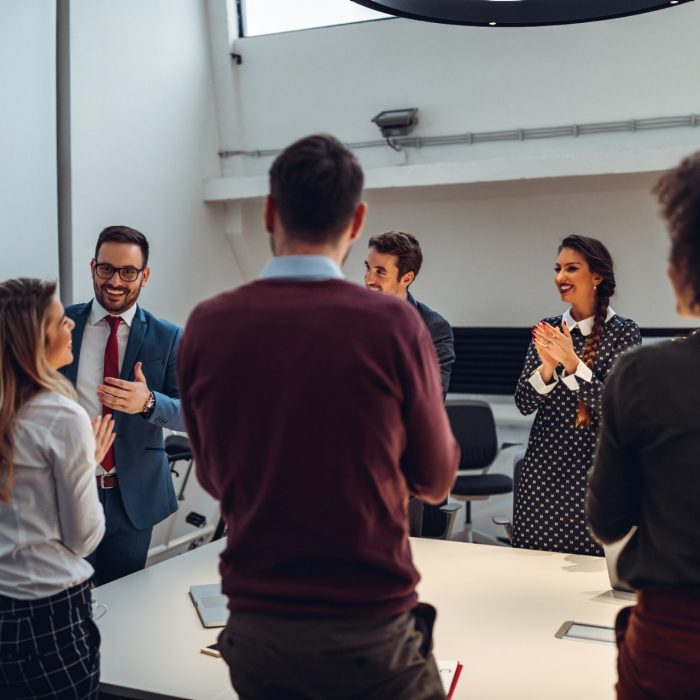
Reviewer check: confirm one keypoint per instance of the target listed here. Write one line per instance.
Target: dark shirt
(647, 467)
(313, 408)
(443, 340)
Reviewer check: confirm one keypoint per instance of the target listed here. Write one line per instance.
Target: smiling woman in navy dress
(562, 380)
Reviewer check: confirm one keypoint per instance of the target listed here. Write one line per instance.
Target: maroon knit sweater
(313, 408)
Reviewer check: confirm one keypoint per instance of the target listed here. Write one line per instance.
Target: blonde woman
(50, 516)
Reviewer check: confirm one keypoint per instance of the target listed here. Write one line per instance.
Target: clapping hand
(103, 429)
(542, 345)
(556, 345)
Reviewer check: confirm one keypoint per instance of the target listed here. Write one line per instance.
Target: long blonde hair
(24, 368)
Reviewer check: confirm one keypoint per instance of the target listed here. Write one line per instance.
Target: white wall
(490, 251)
(489, 248)
(28, 235)
(144, 139)
(466, 79)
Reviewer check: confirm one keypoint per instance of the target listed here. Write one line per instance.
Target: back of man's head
(316, 186)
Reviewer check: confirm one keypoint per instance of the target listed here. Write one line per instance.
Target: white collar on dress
(585, 325)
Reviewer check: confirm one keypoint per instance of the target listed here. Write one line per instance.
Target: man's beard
(119, 306)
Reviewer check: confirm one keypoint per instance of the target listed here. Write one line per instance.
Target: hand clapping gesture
(555, 346)
(103, 428)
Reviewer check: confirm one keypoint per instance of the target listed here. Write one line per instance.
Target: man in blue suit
(124, 363)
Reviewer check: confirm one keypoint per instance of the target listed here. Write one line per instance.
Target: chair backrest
(475, 431)
(178, 447)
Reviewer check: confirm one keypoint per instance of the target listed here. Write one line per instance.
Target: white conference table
(498, 612)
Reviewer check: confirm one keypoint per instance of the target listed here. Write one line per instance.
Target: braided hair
(600, 263)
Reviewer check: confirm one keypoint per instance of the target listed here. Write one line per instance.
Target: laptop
(612, 552)
(211, 604)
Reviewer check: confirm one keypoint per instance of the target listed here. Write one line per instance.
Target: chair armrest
(450, 510)
(505, 521)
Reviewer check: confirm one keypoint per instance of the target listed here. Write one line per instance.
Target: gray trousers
(275, 658)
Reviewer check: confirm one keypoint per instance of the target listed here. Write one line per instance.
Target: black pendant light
(515, 13)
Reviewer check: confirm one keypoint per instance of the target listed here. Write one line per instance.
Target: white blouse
(54, 517)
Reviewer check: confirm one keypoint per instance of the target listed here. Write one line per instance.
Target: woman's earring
(595, 287)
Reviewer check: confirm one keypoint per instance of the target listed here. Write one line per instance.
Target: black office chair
(178, 448)
(415, 520)
(518, 464)
(475, 431)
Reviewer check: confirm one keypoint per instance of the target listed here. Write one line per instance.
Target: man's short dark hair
(316, 186)
(404, 246)
(123, 234)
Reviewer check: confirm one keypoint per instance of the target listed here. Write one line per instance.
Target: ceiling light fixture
(515, 13)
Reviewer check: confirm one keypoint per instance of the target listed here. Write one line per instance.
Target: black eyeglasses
(127, 274)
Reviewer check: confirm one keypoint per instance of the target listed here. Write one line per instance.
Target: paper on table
(449, 674)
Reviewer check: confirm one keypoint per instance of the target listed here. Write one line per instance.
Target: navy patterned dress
(548, 509)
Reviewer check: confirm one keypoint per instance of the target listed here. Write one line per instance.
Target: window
(274, 16)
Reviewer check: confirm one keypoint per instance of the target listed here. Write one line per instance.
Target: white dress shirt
(92, 358)
(54, 517)
(583, 371)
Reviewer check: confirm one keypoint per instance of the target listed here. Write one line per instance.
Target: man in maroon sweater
(314, 407)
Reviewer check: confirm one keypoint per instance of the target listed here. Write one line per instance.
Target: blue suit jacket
(145, 483)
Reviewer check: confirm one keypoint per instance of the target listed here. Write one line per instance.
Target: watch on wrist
(149, 405)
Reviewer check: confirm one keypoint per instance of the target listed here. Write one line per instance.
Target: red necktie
(111, 369)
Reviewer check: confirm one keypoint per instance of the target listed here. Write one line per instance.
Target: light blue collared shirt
(301, 267)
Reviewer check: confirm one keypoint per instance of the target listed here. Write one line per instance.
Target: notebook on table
(211, 604)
